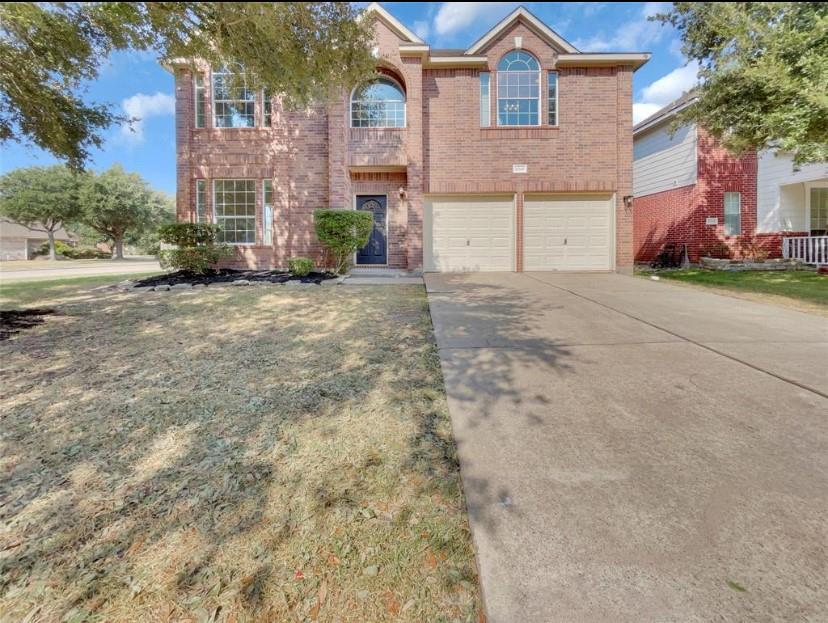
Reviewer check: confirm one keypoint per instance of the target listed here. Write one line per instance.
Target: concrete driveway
(637, 451)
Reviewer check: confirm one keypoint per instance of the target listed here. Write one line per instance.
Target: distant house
(20, 243)
(690, 190)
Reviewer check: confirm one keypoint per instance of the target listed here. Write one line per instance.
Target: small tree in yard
(196, 249)
(342, 232)
(41, 199)
(116, 202)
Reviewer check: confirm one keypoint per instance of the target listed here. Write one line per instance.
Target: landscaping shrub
(300, 266)
(196, 250)
(74, 253)
(342, 232)
(751, 249)
(189, 234)
(718, 250)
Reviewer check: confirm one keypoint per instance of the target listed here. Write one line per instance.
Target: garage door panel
(469, 234)
(567, 233)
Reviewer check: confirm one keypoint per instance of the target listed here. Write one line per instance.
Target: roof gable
(392, 22)
(522, 13)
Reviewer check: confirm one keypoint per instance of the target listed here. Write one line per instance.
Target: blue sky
(138, 87)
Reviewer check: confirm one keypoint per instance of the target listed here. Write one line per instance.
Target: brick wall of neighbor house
(678, 215)
(316, 159)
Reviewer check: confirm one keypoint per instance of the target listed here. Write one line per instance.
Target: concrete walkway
(637, 451)
(43, 269)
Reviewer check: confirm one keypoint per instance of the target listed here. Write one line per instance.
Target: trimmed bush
(196, 250)
(342, 232)
(74, 253)
(300, 266)
(189, 234)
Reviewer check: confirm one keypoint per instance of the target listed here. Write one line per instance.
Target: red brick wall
(590, 150)
(316, 160)
(678, 215)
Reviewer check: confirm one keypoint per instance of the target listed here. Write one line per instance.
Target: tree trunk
(52, 253)
(118, 249)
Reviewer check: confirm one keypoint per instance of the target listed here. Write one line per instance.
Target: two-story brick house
(514, 154)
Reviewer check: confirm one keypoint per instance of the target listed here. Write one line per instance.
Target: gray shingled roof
(666, 112)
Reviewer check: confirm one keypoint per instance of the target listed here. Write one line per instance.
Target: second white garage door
(567, 233)
(469, 234)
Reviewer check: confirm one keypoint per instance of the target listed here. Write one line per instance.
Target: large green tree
(41, 199)
(49, 52)
(763, 73)
(116, 203)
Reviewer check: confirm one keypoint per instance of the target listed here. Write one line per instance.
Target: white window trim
(379, 127)
(213, 100)
(808, 187)
(265, 243)
(557, 98)
(539, 98)
(488, 99)
(203, 89)
(207, 219)
(215, 211)
(724, 212)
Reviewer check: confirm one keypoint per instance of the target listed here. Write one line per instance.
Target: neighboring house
(514, 154)
(690, 190)
(20, 243)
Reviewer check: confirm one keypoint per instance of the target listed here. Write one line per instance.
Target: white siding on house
(662, 162)
(780, 192)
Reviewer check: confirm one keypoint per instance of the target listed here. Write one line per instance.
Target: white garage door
(567, 233)
(469, 234)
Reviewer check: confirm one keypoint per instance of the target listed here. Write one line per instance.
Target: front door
(376, 251)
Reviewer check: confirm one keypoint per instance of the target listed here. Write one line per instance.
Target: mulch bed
(14, 321)
(228, 275)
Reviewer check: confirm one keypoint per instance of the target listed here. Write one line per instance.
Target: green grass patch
(801, 285)
(15, 294)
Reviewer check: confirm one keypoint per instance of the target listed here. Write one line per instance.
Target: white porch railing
(806, 249)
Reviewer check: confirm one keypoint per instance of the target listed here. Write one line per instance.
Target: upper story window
(378, 104)
(199, 100)
(233, 103)
(518, 89)
(732, 214)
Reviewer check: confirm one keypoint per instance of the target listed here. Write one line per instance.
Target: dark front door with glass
(376, 251)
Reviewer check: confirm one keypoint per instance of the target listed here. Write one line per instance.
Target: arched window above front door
(378, 104)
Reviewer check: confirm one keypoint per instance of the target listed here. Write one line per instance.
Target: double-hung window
(518, 90)
(234, 207)
(233, 103)
(732, 213)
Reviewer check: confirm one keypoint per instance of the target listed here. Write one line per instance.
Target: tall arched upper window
(378, 104)
(518, 89)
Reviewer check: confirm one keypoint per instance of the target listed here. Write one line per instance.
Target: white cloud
(632, 36)
(664, 90)
(140, 107)
(422, 29)
(455, 16)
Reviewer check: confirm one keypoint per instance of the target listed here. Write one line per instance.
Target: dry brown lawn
(235, 454)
